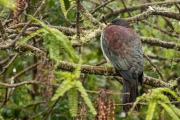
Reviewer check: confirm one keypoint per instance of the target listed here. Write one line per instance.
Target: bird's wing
(123, 49)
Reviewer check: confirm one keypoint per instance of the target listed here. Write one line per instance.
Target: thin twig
(89, 16)
(32, 118)
(71, 7)
(138, 7)
(126, 8)
(51, 108)
(62, 29)
(157, 69)
(163, 58)
(23, 29)
(10, 62)
(143, 103)
(5, 60)
(162, 30)
(2, 31)
(33, 104)
(100, 6)
(177, 6)
(7, 85)
(5, 99)
(101, 62)
(27, 69)
(108, 92)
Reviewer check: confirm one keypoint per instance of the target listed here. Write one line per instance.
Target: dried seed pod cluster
(45, 74)
(21, 6)
(105, 106)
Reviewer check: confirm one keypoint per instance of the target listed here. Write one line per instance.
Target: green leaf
(63, 7)
(64, 41)
(151, 109)
(65, 86)
(56, 42)
(84, 94)
(162, 97)
(73, 101)
(175, 109)
(1, 117)
(72, 2)
(138, 99)
(25, 39)
(77, 72)
(8, 3)
(169, 110)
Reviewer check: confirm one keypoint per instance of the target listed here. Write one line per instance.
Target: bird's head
(119, 21)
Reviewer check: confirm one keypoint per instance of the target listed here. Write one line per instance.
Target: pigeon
(121, 46)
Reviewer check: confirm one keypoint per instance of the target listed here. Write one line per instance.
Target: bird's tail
(132, 89)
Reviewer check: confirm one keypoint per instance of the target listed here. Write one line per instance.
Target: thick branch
(160, 43)
(138, 7)
(155, 82)
(146, 40)
(30, 48)
(167, 14)
(98, 70)
(148, 13)
(93, 70)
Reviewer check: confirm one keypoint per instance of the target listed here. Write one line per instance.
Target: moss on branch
(99, 70)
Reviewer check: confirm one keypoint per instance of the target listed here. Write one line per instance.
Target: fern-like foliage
(169, 110)
(8, 3)
(73, 101)
(56, 43)
(63, 7)
(84, 94)
(72, 2)
(31, 35)
(157, 98)
(59, 47)
(151, 110)
(65, 86)
(72, 84)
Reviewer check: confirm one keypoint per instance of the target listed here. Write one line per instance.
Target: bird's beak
(109, 24)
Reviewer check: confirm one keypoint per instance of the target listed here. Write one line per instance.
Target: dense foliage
(52, 66)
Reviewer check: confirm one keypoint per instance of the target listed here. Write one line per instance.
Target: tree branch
(99, 70)
(160, 43)
(102, 5)
(162, 30)
(148, 13)
(157, 69)
(88, 15)
(163, 58)
(25, 70)
(138, 7)
(7, 85)
(5, 46)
